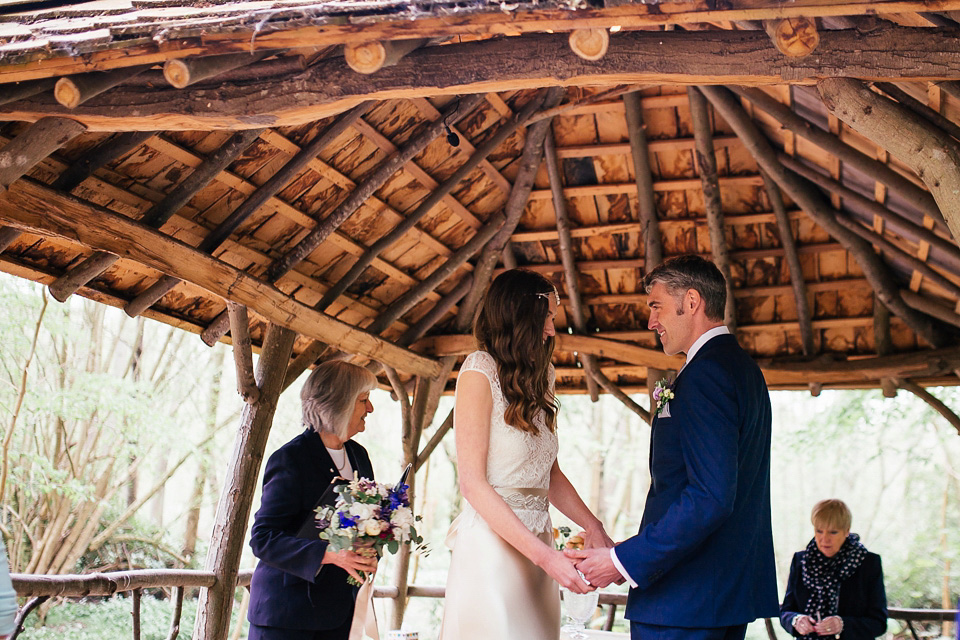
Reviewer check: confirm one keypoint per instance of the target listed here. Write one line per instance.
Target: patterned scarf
(823, 575)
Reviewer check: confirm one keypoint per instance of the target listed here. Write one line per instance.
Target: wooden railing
(39, 588)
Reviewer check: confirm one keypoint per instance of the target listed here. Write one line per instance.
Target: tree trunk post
(233, 510)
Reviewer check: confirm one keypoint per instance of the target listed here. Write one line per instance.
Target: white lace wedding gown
(493, 591)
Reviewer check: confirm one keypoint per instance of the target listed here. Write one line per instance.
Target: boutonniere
(662, 394)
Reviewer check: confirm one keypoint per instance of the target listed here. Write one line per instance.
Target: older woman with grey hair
(299, 588)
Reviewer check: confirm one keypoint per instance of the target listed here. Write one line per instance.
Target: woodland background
(116, 433)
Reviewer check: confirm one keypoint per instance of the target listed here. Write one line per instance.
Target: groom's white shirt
(698, 343)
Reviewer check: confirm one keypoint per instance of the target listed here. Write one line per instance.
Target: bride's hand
(596, 539)
(562, 569)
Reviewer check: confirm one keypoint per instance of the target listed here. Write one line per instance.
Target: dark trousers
(641, 631)
(278, 633)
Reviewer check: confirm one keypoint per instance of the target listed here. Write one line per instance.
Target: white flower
(402, 520)
(373, 527)
(364, 511)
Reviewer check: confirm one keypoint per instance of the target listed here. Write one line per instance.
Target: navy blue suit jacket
(704, 553)
(863, 600)
(286, 590)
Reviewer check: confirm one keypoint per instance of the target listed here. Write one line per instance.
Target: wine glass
(580, 608)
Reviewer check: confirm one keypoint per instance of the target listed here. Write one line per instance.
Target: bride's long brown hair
(510, 328)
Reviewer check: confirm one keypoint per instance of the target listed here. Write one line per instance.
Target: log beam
(101, 229)
(183, 72)
(793, 37)
(707, 167)
(72, 91)
(727, 105)
(233, 510)
(34, 144)
(932, 156)
(370, 57)
(511, 64)
(155, 217)
(589, 44)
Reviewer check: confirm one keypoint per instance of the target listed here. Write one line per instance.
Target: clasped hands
(829, 626)
(593, 562)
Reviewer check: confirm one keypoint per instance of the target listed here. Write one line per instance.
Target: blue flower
(347, 521)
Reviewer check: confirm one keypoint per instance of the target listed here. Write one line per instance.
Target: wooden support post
(797, 282)
(72, 91)
(529, 164)
(889, 387)
(158, 215)
(233, 510)
(876, 273)
(932, 156)
(709, 179)
(435, 440)
(243, 352)
(577, 315)
(304, 361)
(917, 197)
(793, 37)
(177, 612)
(453, 113)
(590, 44)
(182, 72)
(370, 57)
(932, 400)
(27, 89)
(436, 196)
(646, 201)
(248, 207)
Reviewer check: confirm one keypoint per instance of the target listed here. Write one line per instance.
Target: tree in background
(90, 400)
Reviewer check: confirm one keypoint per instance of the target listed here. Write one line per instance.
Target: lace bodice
(515, 458)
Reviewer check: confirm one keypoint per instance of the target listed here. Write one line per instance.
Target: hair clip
(546, 296)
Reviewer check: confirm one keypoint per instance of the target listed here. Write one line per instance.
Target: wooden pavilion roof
(166, 157)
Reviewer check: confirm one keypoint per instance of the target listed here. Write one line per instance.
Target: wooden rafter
(158, 215)
(107, 231)
(577, 314)
(815, 206)
(643, 178)
(248, 207)
(707, 167)
(242, 352)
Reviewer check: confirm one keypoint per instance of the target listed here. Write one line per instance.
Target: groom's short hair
(687, 272)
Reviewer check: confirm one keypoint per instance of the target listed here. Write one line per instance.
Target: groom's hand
(595, 565)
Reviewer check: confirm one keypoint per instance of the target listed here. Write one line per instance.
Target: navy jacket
(286, 590)
(863, 600)
(704, 553)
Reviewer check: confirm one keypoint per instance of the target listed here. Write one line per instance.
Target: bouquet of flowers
(368, 516)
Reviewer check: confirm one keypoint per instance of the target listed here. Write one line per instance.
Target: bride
(504, 570)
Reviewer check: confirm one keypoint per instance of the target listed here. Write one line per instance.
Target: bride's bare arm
(564, 497)
(472, 410)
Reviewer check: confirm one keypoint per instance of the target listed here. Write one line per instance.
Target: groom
(702, 565)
